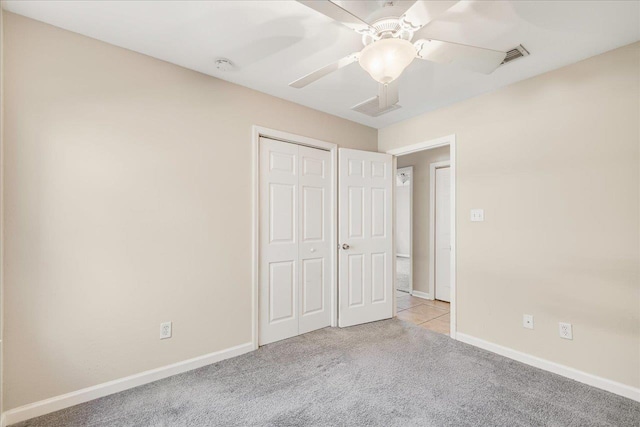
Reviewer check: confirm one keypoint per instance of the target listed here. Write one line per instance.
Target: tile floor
(432, 315)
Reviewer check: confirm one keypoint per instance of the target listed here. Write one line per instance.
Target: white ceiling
(275, 42)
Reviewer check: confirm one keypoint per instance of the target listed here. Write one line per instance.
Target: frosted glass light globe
(386, 59)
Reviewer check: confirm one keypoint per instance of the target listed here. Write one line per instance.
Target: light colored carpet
(403, 268)
(387, 373)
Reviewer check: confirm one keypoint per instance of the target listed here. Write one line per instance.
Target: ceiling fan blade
(470, 57)
(388, 94)
(337, 13)
(422, 12)
(327, 69)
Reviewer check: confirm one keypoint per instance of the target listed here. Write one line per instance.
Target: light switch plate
(477, 215)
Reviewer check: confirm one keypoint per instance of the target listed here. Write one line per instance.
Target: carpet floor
(387, 373)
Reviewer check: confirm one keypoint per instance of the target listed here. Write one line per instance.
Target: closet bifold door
(295, 259)
(278, 271)
(315, 241)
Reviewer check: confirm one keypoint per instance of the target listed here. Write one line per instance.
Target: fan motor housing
(387, 28)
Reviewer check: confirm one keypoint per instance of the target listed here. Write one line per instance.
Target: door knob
(312, 250)
(345, 246)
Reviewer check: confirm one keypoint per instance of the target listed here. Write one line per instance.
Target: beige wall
(421, 162)
(554, 161)
(128, 203)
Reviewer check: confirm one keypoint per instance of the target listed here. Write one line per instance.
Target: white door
(365, 237)
(314, 251)
(443, 234)
(294, 271)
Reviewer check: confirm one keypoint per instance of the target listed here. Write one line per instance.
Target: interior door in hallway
(294, 265)
(365, 236)
(443, 234)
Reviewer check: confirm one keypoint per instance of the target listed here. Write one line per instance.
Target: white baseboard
(422, 295)
(57, 403)
(580, 376)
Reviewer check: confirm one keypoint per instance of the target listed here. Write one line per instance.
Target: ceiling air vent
(515, 53)
(371, 107)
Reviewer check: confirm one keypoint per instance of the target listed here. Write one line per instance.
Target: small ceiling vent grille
(515, 53)
(371, 107)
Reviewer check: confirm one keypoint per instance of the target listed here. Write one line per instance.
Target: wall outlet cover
(527, 321)
(566, 330)
(165, 330)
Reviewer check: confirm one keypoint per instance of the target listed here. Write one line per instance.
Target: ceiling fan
(392, 43)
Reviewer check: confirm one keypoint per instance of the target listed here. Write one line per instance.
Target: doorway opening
(425, 235)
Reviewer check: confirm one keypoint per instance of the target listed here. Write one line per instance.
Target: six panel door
(365, 236)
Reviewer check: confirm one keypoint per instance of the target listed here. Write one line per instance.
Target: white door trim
(449, 140)
(420, 146)
(410, 169)
(257, 132)
(432, 225)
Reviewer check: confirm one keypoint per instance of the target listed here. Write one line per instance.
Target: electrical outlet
(527, 321)
(566, 331)
(165, 330)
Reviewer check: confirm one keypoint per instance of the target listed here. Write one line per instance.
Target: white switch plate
(566, 331)
(165, 330)
(477, 215)
(527, 321)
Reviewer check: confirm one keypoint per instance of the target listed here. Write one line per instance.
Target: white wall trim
(394, 167)
(257, 132)
(414, 148)
(547, 365)
(2, 179)
(255, 230)
(63, 401)
(423, 295)
(449, 140)
(432, 223)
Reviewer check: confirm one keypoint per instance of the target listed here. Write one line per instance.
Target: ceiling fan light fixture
(386, 59)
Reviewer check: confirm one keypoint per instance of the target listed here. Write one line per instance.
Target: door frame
(410, 168)
(257, 133)
(449, 140)
(432, 224)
